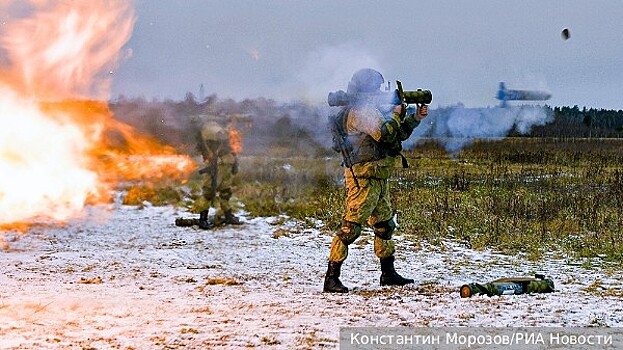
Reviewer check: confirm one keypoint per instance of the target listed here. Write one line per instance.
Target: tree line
(573, 122)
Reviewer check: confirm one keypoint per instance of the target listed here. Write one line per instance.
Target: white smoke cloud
(330, 68)
(456, 127)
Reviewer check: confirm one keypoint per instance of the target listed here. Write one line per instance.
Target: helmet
(365, 80)
(213, 131)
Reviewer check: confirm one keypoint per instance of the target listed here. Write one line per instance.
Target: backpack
(340, 140)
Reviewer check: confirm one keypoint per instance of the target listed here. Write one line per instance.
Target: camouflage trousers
(369, 204)
(224, 184)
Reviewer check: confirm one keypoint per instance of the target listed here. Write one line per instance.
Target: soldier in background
(221, 164)
(375, 139)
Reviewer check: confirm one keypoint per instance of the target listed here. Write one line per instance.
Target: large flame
(66, 49)
(60, 147)
(42, 163)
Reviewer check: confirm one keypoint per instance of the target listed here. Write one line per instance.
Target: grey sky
(461, 50)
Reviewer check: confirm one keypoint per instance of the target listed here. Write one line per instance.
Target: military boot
(389, 276)
(332, 283)
(204, 221)
(231, 219)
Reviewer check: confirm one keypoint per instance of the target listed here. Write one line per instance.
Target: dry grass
(516, 195)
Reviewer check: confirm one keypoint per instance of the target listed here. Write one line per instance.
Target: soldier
(376, 141)
(221, 164)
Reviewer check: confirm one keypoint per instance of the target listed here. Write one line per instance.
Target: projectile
(520, 95)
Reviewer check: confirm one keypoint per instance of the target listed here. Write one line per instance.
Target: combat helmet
(365, 80)
(213, 131)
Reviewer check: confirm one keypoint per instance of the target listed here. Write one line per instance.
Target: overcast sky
(290, 50)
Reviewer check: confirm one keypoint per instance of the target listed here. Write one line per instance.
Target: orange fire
(235, 140)
(60, 147)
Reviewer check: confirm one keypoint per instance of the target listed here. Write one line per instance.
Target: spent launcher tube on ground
(509, 286)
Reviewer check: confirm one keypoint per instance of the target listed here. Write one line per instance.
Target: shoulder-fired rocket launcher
(389, 97)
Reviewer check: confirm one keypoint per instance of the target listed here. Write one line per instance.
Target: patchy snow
(128, 278)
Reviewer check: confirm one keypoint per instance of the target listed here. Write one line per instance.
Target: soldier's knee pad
(384, 229)
(349, 232)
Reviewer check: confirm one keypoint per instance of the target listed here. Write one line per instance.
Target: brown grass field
(530, 195)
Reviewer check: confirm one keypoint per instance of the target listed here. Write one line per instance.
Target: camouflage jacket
(376, 139)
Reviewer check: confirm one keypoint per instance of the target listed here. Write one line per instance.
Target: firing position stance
(369, 140)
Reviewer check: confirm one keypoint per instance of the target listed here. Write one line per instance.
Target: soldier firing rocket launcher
(509, 286)
(385, 100)
(388, 97)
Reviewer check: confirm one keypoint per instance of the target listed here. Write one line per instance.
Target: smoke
(325, 70)
(457, 127)
(330, 68)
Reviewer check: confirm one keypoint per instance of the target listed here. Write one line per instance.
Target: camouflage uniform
(377, 138)
(216, 143)
(370, 203)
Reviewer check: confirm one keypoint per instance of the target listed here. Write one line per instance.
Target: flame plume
(235, 140)
(67, 48)
(60, 147)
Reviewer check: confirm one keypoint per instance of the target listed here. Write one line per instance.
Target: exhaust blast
(56, 62)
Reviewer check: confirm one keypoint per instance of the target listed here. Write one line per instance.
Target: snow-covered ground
(128, 278)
